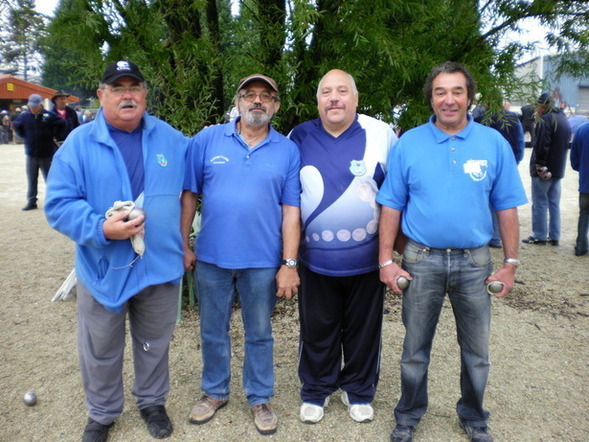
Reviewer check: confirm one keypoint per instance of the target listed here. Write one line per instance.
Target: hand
(115, 226)
(189, 259)
(506, 275)
(389, 275)
(287, 282)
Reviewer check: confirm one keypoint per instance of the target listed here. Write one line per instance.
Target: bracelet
(384, 264)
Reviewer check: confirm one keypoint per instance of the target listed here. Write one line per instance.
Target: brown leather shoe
(204, 410)
(265, 419)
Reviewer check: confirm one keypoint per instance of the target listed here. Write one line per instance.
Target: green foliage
(195, 51)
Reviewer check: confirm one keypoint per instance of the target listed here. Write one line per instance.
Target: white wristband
(384, 264)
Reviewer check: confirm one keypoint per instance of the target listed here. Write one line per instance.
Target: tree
(195, 51)
(23, 27)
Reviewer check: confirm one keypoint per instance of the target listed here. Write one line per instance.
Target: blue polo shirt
(446, 185)
(340, 177)
(243, 191)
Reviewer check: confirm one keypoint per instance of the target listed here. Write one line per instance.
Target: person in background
(508, 125)
(547, 168)
(247, 174)
(61, 108)
(343, 164)
(40, 129)
(126, 266)
(580, 163)
(445, 178)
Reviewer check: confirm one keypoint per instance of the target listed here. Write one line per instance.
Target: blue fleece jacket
(87, 176)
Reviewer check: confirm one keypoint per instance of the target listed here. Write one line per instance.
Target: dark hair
(450, 67)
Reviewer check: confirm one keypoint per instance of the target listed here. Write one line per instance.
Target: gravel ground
(538, 388)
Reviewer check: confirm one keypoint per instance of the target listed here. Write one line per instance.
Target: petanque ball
(29, 398)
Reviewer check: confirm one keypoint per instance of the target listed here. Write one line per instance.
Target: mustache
(127, 103)
(257, 106)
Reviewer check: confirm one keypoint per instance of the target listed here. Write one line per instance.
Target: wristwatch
(512, 261)
(291, 263)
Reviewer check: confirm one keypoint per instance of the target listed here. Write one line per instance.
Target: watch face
(290, 263)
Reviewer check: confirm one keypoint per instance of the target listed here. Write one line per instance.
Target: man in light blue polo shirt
(248, 176)
(445, 177)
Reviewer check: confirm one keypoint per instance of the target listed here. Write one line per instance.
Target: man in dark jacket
(61, 108)
(547, 165)
(39, 128)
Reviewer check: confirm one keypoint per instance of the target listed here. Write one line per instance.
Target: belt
(448, 251)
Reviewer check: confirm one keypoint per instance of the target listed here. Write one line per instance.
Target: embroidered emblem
(477, 169)
(219, 159)
(162, 160)
(123, 66)
(358, 168)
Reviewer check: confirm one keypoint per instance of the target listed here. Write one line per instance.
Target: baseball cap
(34, 100)
(545, 98)
(121, 68)
(257, 77)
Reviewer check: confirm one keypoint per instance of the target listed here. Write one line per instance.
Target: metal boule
(402, 282)
(494, 287)
(29, 398)
(134, 213)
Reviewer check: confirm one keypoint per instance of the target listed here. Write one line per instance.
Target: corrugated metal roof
(12, 88)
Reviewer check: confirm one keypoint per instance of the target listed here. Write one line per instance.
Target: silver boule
(29, 398)
(134, 213)
(402, 282)
(494, 287)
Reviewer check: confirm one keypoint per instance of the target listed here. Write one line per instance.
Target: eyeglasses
(265, 97)
(120, 90)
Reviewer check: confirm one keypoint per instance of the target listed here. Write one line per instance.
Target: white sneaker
(311, 413)
(359, 412)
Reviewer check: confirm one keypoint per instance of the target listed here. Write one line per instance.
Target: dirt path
(538, 389)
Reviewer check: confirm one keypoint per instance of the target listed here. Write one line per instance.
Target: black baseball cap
(121, 68)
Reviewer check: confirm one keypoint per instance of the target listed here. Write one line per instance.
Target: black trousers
(341, 320)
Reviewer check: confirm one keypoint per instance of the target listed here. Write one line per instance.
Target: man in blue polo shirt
(343, 163)
(445, 177)
(247, 174)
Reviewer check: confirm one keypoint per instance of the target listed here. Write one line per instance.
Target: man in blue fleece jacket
(125, 154)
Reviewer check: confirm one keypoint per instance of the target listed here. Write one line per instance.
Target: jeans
(33, 164)
(461, 274)
(545, 200)
(216, 289)
(581, 246)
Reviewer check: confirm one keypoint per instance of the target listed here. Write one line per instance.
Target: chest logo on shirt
(219, 159)
(358, 168)
(477, 169)
(162, 160)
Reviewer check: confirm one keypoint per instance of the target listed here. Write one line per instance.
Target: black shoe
(159, 424)
(579, 253)
(402, 433)
(554, 242)
(30, 206)
(477, 434)
(95, 431)
(532, 240)
(496, 245)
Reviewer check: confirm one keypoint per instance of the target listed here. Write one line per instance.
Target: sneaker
(359, 412)
(311, 413)
(554, 242)
(265, 419)
(204, 410)
(402, 433)
(95, 431)
(477, 434)
(30, 206)
(532, 240)
(159, 424)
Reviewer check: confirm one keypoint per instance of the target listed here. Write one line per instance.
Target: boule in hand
(134, 213)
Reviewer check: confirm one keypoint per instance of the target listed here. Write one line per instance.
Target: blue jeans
(545, 200)
(581, 246)
(461, 274)
(216, 289)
